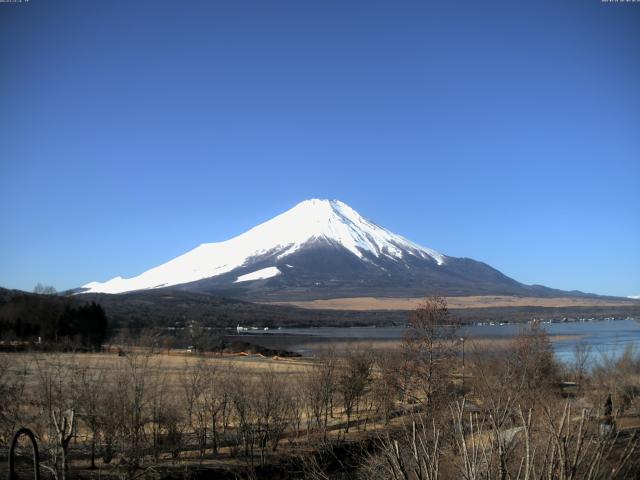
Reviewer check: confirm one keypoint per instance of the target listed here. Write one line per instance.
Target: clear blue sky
(508, 132)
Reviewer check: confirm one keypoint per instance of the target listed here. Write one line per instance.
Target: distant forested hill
(165, 308)
(51, 319)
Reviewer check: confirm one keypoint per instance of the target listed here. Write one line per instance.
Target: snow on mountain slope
(261, 274)
(309, 221)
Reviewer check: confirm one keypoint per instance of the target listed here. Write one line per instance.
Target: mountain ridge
(322, 249)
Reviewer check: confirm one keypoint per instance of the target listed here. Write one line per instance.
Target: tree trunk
(214, 435)
(93, 450)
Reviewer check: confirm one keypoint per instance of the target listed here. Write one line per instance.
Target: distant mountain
(321, 249)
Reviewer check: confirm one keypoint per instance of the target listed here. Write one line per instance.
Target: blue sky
(508, 132)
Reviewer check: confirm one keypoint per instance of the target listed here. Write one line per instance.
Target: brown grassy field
(173, 364)
(340, 346)
(377, 303)
(165, 385)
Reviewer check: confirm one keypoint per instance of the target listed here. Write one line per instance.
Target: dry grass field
(473, 345)
(158, 410)
(378, 303)
(172, 365)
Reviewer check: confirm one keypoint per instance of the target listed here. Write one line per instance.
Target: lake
(607, 337)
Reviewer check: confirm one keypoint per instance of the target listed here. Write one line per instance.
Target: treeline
(51, 319)
(162, 308)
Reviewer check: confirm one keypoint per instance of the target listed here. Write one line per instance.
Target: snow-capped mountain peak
(335, 221)
(309, 222)
(321, 249)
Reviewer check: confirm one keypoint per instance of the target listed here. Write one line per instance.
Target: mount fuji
(321, 249)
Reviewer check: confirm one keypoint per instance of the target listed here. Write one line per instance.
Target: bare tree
(354, 377)
(215, 401)
(390, 382)
(430, 345)
(41, 289)
(13, 375)
(581, 357)
(133, 377)
(297, 405)
(242, 395)
(319, 387)
(57, 401)
(579, 449)
(90, 385)
(272, 404)
(532, 357)
(163, 414)
(110, 417)
(192, 383)
(415, 455)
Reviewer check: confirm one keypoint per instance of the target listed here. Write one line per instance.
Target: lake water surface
(608, 337)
